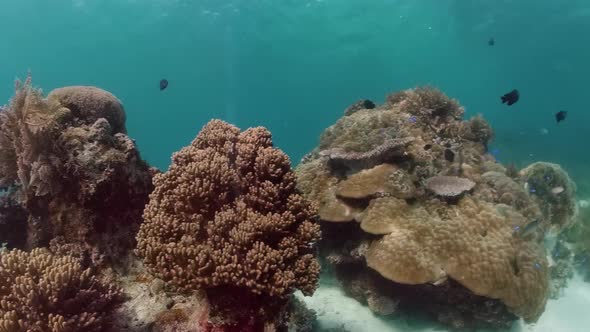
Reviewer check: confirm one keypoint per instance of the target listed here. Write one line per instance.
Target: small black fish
(449, 155)
(560, 116)
(163, 84)
(511, 97)
(492, 41)
(427, 147)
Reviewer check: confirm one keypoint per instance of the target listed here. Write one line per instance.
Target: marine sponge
(226, 218)
(42, 292)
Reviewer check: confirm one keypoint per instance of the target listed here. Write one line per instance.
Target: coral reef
(436, 215)
(78, 176)
(226, 218)
(43, 292)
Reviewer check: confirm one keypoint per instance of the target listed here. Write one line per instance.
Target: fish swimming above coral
(449, 155)
(560, 116)
(163, 84)
(511, 97)
(528, 229)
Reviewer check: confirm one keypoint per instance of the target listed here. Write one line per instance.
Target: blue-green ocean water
(295, 65)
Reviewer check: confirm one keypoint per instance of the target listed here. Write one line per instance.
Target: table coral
(226, 217)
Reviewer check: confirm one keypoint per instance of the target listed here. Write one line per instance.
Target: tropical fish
(560, 116)
(528, 229)
(511, 97)
(449, 155)
(557, 190)
(491, 41)
(163, 84)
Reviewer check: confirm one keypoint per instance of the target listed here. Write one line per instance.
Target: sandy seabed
(338, 312)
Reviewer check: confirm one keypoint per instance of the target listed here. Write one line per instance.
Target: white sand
(569, 313)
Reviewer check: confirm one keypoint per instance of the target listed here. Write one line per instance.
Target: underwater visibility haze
(294, 165)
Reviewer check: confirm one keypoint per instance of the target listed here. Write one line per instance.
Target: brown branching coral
(75, 171)
(41, 292)
(226, 217)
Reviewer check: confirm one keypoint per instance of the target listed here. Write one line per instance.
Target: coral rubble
(432, 214)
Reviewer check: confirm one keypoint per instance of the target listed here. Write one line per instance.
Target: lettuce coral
(226, 217)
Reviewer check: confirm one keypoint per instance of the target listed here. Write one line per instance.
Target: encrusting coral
(459, 220)
(41, 292)
(226, 218)
(75, 171)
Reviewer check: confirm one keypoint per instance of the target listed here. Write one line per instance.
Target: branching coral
(42, 292)
(76, 173)
(226, 218)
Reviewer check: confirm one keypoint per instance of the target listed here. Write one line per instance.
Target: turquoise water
(295, 65)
